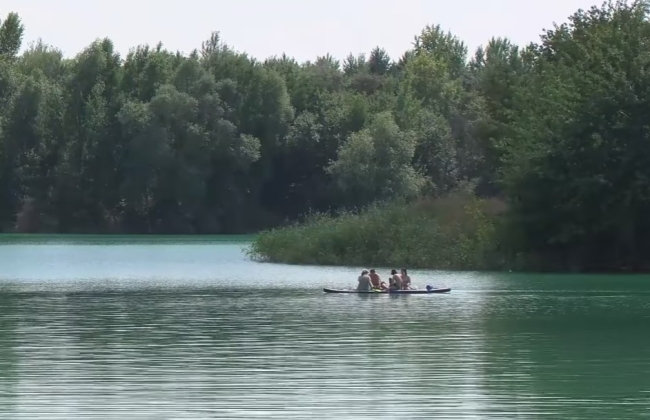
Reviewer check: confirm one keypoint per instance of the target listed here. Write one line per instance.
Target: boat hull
(394, 292)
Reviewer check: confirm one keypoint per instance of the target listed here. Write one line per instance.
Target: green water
(187, 328)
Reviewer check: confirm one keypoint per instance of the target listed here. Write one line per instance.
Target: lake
(188, 328)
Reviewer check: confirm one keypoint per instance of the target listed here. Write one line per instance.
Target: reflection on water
(194, 331)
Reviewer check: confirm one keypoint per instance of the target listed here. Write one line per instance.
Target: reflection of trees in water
(407, 348)
(9, 318)
(477, 353)
(567, 356)
(146, 323)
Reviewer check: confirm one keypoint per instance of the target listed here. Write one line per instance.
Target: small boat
(393, 292)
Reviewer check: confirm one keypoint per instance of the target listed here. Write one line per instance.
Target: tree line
(215, 141)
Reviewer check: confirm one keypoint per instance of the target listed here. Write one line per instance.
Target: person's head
(364, 272)
(393, 271)
(372, 271)
(404, 271)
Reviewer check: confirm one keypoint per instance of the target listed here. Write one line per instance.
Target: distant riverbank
(117, 239)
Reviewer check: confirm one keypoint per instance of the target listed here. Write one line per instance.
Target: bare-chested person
(376, 280)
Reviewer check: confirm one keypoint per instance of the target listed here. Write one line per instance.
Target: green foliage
(375, 163)
(218, 142)
(11, 36)
(578, 170)
(453, 232)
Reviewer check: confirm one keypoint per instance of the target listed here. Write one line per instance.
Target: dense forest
(215, 141)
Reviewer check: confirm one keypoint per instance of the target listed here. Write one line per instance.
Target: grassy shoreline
(457, 232)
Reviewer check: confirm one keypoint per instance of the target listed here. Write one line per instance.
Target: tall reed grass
(454, 232)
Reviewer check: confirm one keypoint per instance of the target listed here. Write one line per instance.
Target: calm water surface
(186, 328)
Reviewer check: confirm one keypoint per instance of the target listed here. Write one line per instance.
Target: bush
(453, 232)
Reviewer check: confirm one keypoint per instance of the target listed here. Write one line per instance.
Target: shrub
(453, 232)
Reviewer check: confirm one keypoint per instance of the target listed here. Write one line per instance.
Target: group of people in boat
(370, 280)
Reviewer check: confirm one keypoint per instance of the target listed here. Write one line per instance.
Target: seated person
(376, 280)
(406, 280)
(364, 282)
(395, 280)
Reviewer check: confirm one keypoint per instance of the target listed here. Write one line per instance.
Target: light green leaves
(375, 163)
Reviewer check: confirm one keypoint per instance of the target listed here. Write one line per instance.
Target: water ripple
(150, 346)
